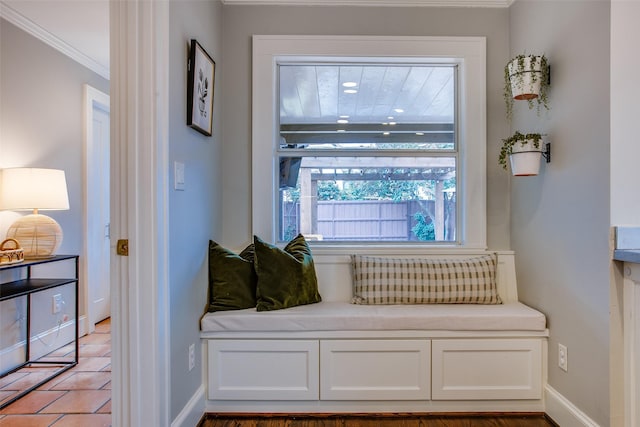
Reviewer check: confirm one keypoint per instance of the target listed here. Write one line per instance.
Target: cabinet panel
(263, 369)
(487, 369)
(374, 369)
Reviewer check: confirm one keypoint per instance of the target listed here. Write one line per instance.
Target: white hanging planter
(526, 78)
(525, 158)
(524, 152)
(525, 75)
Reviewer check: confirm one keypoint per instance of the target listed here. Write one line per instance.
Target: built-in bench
(335, 356)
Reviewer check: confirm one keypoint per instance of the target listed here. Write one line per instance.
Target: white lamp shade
(33, 188)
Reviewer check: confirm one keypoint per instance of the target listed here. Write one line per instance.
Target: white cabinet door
(374, 369)
(485, 369)
(263, 369)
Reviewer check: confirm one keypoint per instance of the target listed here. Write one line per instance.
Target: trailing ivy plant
(508, 143)
(543, 98)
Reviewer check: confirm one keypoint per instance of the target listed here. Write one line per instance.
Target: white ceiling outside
(366, 94)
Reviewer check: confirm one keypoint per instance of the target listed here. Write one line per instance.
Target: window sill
(391, 249)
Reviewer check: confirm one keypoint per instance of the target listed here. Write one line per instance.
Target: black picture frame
(201, 70)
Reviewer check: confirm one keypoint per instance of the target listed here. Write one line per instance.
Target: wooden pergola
(314, 169)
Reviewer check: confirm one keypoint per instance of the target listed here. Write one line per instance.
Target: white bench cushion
(343, 316)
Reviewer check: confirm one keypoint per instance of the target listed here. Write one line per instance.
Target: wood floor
(426, 420)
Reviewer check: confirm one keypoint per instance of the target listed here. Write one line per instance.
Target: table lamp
(34, 189)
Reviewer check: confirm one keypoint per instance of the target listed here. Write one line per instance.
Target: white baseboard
(192, 412)
(563, 412)
(82, 326)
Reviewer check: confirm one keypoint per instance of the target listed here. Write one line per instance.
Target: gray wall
(241, 22)
(194, 214)
(41, 119)
(560, 219)
(41, 124)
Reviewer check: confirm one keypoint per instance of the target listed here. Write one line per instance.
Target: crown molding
(385, 3)
(52, 40)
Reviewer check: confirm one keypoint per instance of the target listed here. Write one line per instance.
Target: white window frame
(468, 52)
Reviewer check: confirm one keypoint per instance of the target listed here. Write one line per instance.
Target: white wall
(241, 22)
(560, 219)
(195, 212)
(41, 122)
(625, 142)
(625, 173)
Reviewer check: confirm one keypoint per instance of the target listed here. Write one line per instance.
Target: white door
(98, 196)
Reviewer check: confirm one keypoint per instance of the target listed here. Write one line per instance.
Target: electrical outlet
(192, 356)
(57, 304)
(563, 357)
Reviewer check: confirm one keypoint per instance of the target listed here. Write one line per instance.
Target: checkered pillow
(424, 281)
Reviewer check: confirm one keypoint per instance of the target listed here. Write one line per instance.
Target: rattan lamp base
(39, 235)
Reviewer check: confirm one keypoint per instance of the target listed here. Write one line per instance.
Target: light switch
(178, 176)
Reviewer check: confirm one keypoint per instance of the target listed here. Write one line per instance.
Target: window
(369, 141)
(367, 152)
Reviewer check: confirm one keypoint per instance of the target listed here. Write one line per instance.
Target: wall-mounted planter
(525, 158)
(524, 152)
(526, 77)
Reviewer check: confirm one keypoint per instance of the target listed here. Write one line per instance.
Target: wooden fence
(358, 220)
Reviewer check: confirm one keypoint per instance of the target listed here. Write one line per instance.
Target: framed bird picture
(201, 70)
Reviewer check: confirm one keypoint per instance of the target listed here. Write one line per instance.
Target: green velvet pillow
(286, 277)
(232, 278)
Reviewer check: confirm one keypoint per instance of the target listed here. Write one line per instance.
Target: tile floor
(80, 396)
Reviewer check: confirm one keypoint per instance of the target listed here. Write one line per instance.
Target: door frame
(139, 39)
(91, 97)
